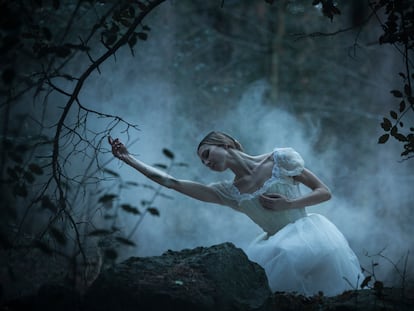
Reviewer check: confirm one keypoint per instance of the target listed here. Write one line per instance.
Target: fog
(175, 96)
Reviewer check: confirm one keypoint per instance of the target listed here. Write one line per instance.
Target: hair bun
(220, 139)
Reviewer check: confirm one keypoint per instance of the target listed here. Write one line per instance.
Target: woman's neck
(243, 164)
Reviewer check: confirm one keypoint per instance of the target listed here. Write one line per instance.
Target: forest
(331, 79)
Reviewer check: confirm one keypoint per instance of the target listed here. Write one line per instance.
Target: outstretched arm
(319, 194)
(192, 189)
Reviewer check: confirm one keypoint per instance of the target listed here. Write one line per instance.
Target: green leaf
(142, 35)
(36, 169)
(153, 211)
(383, 139)
(400, 137)
(386, 124)
(107, 198)
(393, 114)
(168, 153)
(58, 235)
(396, 93)
(125, 241)
(130, 209)
(110, 172)
(402, 106)
(47, 204)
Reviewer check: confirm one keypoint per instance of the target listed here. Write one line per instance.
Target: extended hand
(274, 201)
(118, 148)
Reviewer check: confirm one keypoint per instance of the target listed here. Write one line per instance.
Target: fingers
(272, 195)
(264, 201)
(271, 201)
(118, 148)
(114, 142)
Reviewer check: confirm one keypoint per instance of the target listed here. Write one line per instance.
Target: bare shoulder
(264, 156)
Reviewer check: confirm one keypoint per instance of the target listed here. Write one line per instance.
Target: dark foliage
(40, 43)
(44, 210)
(398, 30)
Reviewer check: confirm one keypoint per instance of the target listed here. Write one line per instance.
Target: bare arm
(319, 194)
(190, 188)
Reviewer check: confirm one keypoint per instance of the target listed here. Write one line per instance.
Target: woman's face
(214, 157)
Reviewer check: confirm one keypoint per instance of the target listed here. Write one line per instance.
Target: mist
(371, 188)
(179, 86)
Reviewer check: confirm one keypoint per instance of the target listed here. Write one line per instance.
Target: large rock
(215, 278)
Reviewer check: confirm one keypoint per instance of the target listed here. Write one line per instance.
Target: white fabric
(300, 253)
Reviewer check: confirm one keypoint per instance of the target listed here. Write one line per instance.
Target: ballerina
(300, 252)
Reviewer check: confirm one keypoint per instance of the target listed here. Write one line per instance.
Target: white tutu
(307, 256)
(300, 253)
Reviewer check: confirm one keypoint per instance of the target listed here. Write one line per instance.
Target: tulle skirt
(307, 257)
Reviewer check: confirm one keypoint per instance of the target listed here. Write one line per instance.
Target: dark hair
(220, 139)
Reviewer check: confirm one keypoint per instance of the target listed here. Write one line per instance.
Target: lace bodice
(287, 163)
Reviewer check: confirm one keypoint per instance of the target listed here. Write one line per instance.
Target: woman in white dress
(300, 252)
